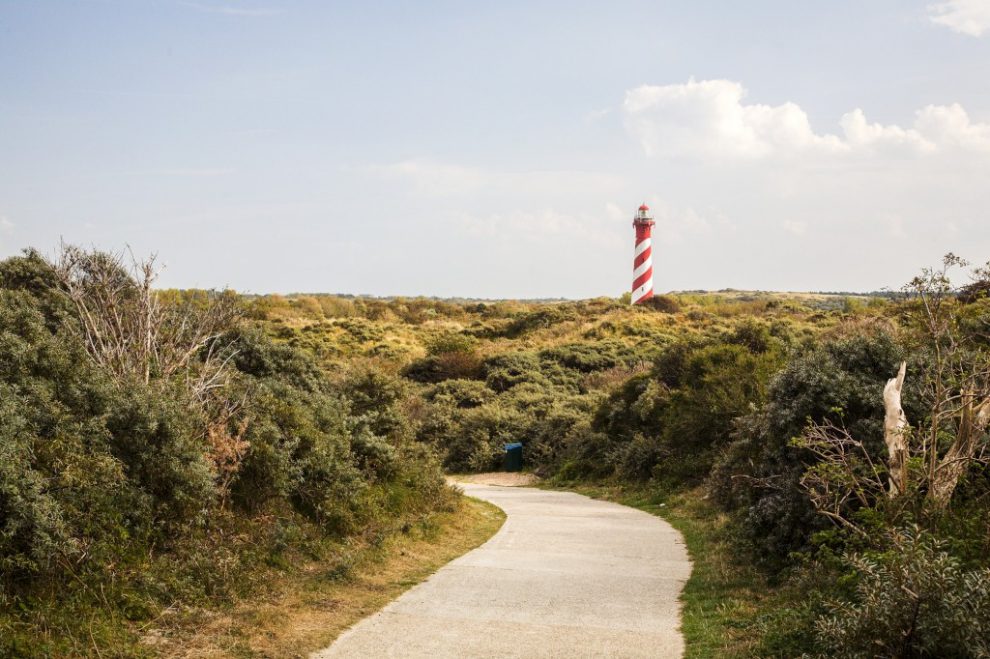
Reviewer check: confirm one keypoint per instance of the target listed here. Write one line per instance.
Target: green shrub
(662, 303)
(481, 433)
(60, 485)
(376, 399)
(450, 355)
(585, 357)
(460, 393)
(839, 380)
(124, 492)
(502, 372)
(912, 600)
(540, 318)
(157, 440)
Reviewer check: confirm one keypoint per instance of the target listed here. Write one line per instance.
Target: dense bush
(912, 600)
(53, 406)
(504, 371)
(586, 357)
(449, 356)
(540, 318)
(669, 423)
(108, 474)
(663, 303)
(839, 380)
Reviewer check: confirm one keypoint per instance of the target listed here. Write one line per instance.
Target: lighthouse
(642, 288)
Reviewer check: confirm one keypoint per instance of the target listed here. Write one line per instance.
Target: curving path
(566, 576)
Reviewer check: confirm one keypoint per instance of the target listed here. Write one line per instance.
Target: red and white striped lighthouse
(642, 288)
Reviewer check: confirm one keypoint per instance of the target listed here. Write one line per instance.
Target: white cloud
(862, 135)
(970, 17)
(950, 125)
(709, 119)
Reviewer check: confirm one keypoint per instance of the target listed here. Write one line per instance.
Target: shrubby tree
(760, 472)
(924, 464)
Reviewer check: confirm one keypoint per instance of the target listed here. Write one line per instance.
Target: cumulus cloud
(861, 135)
(970, 17)
(950, 125)
(710, 118)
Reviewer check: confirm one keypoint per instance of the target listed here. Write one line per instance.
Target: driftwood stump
(895, 427)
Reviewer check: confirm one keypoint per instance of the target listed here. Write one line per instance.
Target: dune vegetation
(162, 458)
(165, 453)
(753, 421)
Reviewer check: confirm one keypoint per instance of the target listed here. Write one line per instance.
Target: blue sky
(445, 148)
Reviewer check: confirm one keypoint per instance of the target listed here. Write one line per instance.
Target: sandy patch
(503, 478)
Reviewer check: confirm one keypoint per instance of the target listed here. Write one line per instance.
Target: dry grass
(307, 610)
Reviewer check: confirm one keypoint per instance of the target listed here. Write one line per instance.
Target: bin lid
(510, 447)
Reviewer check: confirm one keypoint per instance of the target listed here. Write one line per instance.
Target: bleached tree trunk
(973, 422)
(895, 427)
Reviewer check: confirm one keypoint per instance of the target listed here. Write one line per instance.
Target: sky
(499, 149)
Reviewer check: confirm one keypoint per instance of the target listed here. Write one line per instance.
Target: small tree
(954, 391)
(140, 335)
(132, 334)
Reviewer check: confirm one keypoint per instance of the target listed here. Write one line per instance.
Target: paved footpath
(566, 576)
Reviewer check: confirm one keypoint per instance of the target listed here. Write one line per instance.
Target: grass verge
(723, 599)
(307, 609)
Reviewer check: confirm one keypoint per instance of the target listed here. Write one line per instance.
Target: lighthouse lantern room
(642, 288)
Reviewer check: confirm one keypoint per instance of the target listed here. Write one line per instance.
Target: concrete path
(565, 576)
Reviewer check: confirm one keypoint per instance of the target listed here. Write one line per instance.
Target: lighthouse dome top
(643, 216)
